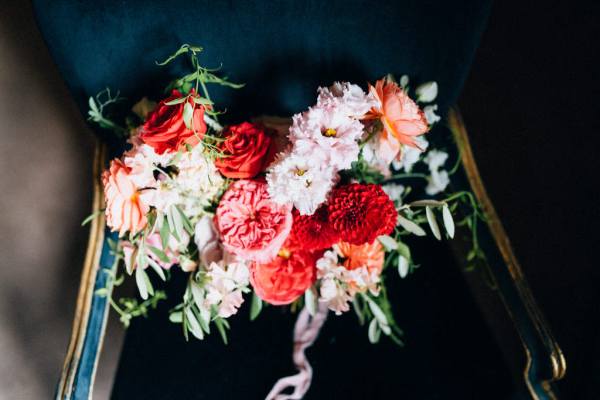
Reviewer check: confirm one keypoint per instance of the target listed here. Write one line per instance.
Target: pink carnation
(250, 224)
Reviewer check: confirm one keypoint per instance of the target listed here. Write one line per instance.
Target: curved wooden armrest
(91, 311)
(545, 361)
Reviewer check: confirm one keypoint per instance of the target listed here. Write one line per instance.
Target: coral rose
(361, 213)
(250, 224)
(400, 116)
(165, 129)
(247, 149)
(125, 210)
(286, 277)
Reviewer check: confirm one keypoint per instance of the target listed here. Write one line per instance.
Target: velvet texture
(283, 50)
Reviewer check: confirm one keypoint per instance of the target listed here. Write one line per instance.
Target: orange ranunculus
(370, 255)
(401, 117)
(285, 278)
(125, 210)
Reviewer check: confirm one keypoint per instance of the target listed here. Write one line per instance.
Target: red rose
(360, 213)
(247, 150)
(286, 278)
(165, 129)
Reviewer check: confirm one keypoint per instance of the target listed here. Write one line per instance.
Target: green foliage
(98, 111)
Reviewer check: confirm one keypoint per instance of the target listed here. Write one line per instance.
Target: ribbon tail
(306, 332)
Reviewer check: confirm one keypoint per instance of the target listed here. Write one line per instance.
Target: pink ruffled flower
(250, 224)
(125, 210)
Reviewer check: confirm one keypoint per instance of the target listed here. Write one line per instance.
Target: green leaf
(448, 220)
(433, 225)
(141, 280)
(197, 294)
(91, 217)
(164, 233)
(404, 250)
(188, 114)
(187, 224)
(255, 307)
(160, 254)
(310, 300)
(182, 50)
(203, 101)
(177, 227)
(93, 106)
(388, 242)
(176, 317)
(426, 203)
(176, 101)
(193, 324)
(410, 226)
(157, 268)
(374, 333)
(377, 311)
(403, 265)
(221, 326)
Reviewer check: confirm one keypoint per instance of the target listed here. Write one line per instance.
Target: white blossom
(438, 179)
(395, 191)
(410, 155)
(427, 92)
(300, 180)
(430, 114)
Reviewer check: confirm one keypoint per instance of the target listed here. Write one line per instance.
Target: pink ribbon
(306, 332)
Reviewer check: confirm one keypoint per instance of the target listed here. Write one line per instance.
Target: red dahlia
(312, 232)
(360, 213)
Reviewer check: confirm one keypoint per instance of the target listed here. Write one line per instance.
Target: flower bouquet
(313, 212)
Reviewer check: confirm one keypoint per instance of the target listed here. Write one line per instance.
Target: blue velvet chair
(283, 50)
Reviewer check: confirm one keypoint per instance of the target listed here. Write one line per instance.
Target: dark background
(530, 105)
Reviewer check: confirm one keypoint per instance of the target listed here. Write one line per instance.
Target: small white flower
(410, 155)
(430, 114)
(437, 182)
(224, 284)
(435, 159)
(338, 285)
(427, 92)
(195, 186)
(207, 241)
(395, 191)
(438, 179)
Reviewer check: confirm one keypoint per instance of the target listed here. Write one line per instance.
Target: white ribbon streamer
(306, 332)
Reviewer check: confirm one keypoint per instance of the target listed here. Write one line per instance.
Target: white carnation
(301, 181)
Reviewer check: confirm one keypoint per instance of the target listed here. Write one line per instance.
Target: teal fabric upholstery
(283, 50)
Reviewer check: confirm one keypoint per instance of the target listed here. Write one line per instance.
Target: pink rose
(250, 224)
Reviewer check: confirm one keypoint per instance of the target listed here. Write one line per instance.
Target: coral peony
(313, 232)
(125, 210)
(400, 116)
(165, 129)
(285, 278)
(250, 224)
(360, 213)
(247, 151)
